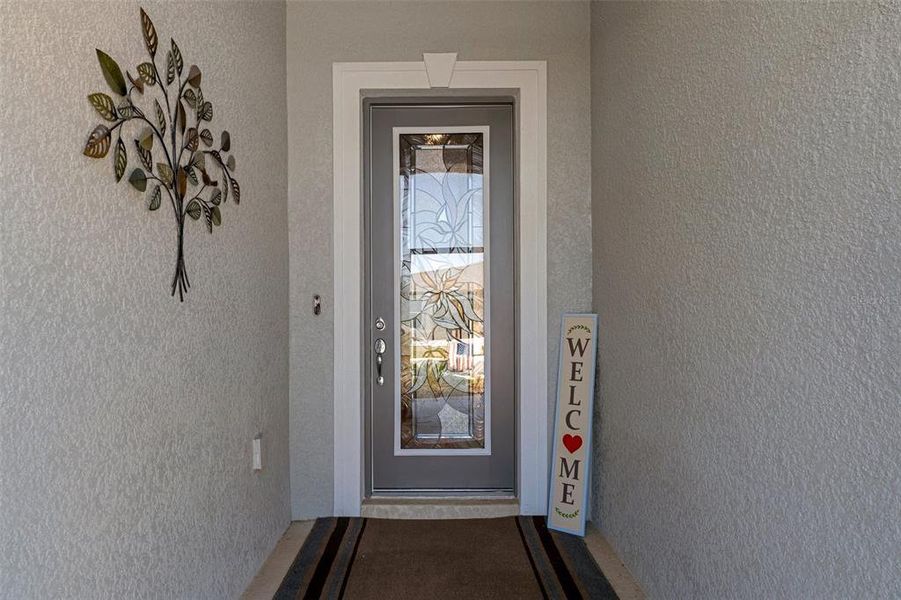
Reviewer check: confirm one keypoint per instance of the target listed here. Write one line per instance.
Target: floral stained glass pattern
(442, 291)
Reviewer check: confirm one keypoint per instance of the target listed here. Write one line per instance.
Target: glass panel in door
(442, 294)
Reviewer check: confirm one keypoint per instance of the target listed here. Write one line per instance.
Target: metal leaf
(208, 215)
(98, 142)
(104, 106)
(231, 162)
(170, 68)
(191, 139)
(126, 111)
(217, 216)
(146, 73)
(145, 156)
(164, 172)
(193, 210)
(236, 191)
(190, 97)
(112, 73)
(182, 182)
(194, 76)
(226, 143)
(146, 139)
(192, 176)
(206, 112)
(149, 32)
(155, 197)
(180, 117)
(138, 83)
(216, 197)
(138, 180)
(176, 54)
(207, 137)
(160, 117)
(120, 161)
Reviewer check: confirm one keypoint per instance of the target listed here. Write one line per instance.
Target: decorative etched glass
(443, 243)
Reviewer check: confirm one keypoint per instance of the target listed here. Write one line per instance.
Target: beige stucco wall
(320, 33)
(126, 417)
(747, 243)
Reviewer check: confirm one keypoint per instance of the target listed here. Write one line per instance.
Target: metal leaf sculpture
(179, 155)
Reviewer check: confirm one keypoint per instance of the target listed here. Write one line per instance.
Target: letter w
(580, 344)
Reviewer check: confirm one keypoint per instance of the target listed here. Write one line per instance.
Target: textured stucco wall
(126, 417)
(320, 33)
(747, 243)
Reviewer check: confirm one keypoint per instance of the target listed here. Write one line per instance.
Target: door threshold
(438, 493)
(434, 507)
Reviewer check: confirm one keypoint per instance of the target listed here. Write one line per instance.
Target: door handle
(380, 347)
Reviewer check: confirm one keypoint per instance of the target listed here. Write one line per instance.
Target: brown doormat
(513, 557)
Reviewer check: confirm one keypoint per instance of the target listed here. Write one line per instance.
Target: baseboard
(268, 579)
(616, 572)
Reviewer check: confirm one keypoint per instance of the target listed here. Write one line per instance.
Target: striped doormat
(513, 557)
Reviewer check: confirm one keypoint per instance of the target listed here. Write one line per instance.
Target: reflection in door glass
(442, 291)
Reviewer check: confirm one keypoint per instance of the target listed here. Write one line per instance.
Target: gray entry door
(441, 320)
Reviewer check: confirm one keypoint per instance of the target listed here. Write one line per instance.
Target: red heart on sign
(572, 442)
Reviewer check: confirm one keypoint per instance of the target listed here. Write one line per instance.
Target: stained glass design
(442, 291)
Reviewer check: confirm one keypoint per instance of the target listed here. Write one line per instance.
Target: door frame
(350, 83)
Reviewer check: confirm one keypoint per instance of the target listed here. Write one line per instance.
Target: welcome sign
(571, 460)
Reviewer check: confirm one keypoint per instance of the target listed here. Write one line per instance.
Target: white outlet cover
(257, 454)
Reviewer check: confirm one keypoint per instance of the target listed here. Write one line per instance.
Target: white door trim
(349, 80)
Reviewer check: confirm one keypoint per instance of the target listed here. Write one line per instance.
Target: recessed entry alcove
(307, 298)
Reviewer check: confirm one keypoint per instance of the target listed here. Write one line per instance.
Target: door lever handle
(380, 347)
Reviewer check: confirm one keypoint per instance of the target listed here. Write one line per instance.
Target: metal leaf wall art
(169, 140)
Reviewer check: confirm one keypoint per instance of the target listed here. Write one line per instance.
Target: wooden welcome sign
(571, 460)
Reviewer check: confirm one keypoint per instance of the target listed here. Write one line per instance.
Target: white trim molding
(440, 68)
(529, 80)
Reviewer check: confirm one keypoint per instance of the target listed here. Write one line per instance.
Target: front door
(441, 321)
